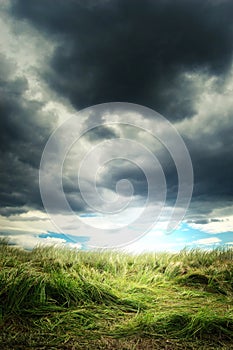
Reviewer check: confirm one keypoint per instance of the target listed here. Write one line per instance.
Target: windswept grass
(53, 298)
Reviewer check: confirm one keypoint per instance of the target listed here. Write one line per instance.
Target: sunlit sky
(58, 58)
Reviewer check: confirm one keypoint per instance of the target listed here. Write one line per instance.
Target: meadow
(59, 298)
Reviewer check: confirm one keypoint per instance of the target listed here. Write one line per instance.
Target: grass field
(56, 298)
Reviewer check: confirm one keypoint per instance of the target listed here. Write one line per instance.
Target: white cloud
(28, 241)
(207, 241)
(225, 224)
(32, 222)
(206, 120)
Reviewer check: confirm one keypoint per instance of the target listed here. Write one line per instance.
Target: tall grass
(61, 297)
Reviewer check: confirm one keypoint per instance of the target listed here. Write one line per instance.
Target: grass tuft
(57, 298)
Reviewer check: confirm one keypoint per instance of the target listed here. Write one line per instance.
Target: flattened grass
(53, 298)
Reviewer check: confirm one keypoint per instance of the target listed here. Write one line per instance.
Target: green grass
(53, 298)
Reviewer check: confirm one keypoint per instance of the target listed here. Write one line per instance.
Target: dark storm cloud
(119, 50)
(214, 175)
(133, 51)
(212, 160)
(24, 132)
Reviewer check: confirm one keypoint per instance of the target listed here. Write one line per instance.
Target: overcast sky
(60, 57)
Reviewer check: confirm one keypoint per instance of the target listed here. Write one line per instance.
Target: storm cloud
(172, 56)
(132, 51)
(24, 132)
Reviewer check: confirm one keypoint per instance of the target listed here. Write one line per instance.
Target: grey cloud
(24, 131)
(120, 50)
(101, 133)
(132, 51)
(213, 168)
(11, 211)
(204, 221)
